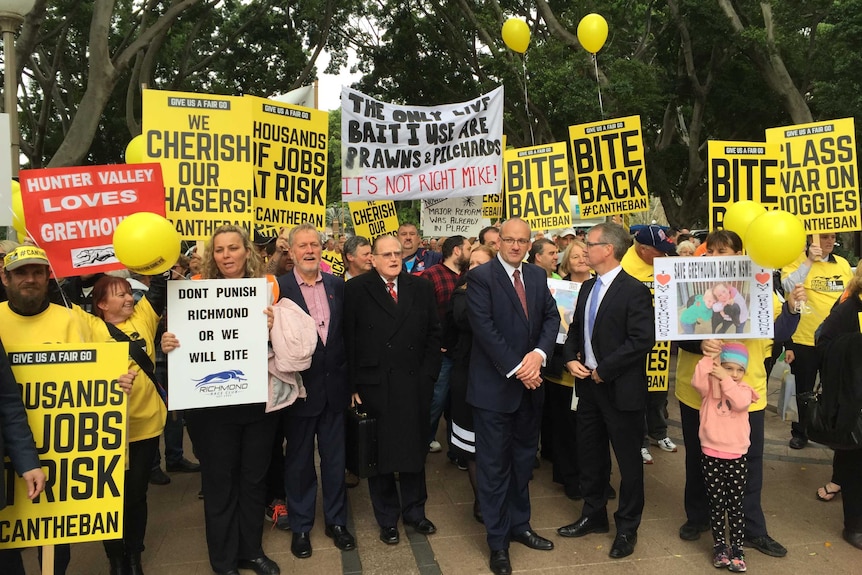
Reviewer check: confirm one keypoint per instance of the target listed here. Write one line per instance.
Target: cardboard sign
(712, 297)
(537, 186)
(819, 174)
(291, 154)
(374, 219)
(492, 206)
(204, 144)
(566, 295)
(221, 327)
(608, 159)
(72, 213)
(454, 216)
(394, 152)
(742, 171)
(77, 413)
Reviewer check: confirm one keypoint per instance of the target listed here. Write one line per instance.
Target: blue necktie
(594, 305)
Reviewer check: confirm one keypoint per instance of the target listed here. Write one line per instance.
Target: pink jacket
(723, 421)
(294, 339)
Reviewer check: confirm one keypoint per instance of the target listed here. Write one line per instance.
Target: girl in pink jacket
(724, 438)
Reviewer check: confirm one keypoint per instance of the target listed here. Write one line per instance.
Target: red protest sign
(71, 213)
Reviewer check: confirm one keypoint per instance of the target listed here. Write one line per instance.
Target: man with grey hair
(609, 338)
(357, 257)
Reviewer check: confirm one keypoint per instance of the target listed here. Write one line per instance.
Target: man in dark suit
(392, 334)
(609, 338)
(321, 413)
(514, 321)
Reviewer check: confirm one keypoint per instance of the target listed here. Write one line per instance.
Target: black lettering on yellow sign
(738, 179)
(62, 526)
(538, 203)
(536, 172)
(820, 152)
(373, 213)
(616, 158)
(210, 200)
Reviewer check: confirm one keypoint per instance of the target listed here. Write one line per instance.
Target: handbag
(140, 357)
(361, 443)
(821, 423)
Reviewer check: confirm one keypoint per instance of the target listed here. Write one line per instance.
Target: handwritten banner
(374, 219)
(742, 171)
(72, 212)
(819, 174)
(204, 144)
(537, 186)
(221, 327)
(610, 174)
(77, 413)
(394, 152)
(453, 216)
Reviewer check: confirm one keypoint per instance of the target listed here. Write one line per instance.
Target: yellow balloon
(775, 239)
(136, 150)
(739, 216)
(516, 34)
(146, 243)
(18, 221)
(592, 32)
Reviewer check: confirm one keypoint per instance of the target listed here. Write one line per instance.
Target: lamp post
(12, 14)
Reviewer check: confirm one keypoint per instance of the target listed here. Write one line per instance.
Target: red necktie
(391, 287)
(519, 289)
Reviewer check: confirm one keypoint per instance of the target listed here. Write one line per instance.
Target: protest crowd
(459, 332)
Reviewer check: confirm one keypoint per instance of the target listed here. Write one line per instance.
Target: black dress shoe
(423, 526)
(389, 535)
(159, 477)
(263, 565)
(183, 466)
(854, 538)
(300, 545)
(584, 526)
(499, 563)
(341, 537)
(532, 540)
(624, 545)
(690, 531)
(798, 442)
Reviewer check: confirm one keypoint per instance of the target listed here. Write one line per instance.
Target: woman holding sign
(233, 443)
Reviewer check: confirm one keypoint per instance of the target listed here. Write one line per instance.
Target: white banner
(221, 327)
(394, 152)
(454, 216)
(726, 297)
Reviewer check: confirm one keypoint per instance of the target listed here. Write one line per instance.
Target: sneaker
(277, 513)
(665, 444)
(737, 562)
(159, 477)
(435, 447)
(646, 456)
(691, 531)
(720, 556)
(766, 545)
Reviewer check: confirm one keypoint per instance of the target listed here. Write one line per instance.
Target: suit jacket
(623, 335)
(326, 380)
(393, 353)
(16, 439)
(503, 335)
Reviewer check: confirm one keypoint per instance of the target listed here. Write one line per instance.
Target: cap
(734, 352)
(568, 232)
(262, 240)
(23, 255)
(654, 236)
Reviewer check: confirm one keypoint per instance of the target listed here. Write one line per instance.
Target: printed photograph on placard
(710, 308)
(566, 295)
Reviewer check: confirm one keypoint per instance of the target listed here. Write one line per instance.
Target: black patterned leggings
(725, 488)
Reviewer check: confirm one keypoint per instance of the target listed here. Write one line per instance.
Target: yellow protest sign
(537, 186)
(742, 171)
(291, 147)
(77, 412)
(335, 261)
(608, 159)
(204, 145)
(374, 219)
(658, 366)
(492, 206)
(819, 176)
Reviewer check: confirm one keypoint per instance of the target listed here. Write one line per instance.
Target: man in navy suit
(609, 338)
(514, 320)
(321, 413)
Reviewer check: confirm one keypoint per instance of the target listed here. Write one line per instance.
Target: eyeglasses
(389, 255)
(512, 241)
(591, 244)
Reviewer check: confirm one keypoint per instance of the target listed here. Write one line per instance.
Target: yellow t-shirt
(824, 284)
(57, 324)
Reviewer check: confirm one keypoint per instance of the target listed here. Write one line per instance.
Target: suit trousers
(234, 446)
(563, 436)
(599, 421)
(385, 500)
(848, 470)
(300, 477)
(137, 481)
(506, 445)
(696, 502)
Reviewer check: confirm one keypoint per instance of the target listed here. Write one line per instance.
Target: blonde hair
(685, 245)
(254, 266)
(854, 286)
(564, 264)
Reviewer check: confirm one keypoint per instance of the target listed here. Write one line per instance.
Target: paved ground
(810, 529)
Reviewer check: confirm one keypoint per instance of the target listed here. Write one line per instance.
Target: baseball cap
(24, 255)
(733, 352)
(654, 236)
(262, 240)
(568, 232)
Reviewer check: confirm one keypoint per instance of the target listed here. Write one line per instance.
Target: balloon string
(598, 85)
(527, 104)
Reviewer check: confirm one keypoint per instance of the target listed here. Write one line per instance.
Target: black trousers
(275, 474)
(847, 471)
(137, 481)
(696, 502)
(563, 435)
(234, 446)
(13, 564)
(805, 366)
(385, 498)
